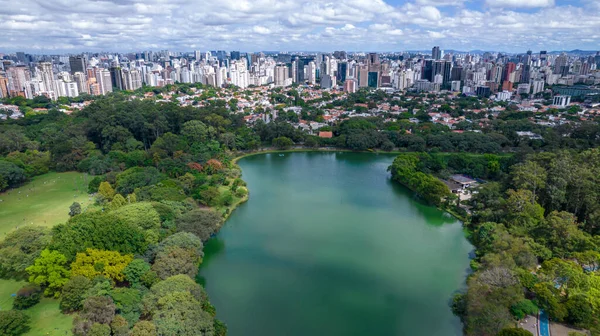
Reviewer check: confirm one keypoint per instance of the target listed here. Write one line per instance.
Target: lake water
(328, 245)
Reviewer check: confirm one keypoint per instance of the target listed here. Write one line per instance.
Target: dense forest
(536, 228)
(164, 181)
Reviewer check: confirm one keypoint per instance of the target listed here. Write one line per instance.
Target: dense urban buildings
(497, 75)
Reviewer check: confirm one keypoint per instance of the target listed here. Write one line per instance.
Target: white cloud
(261, 30)
(431, 13)
(252, 25)
(520, 3)
(441, 3)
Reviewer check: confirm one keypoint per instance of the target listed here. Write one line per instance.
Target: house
(463, 180)
(324, 134)
(455, 188)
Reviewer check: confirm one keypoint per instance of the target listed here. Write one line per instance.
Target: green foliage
(405, 171)
(104, 231)
(202, 223)
(106, 192)
(175, 305)
(49, 271)
(514, 332)
(144, 328)
(135, 270)
(94, 184)
(282, 142)
(137, 177)
(523, 308)
(20, 248)
(128, 302)
(73, 293)
(11, 175)
(117, 202)
(174, 260)
(141, 214)
(74, 209)
(14, 322)
(119, 326)
(99, 329)
(27, 297)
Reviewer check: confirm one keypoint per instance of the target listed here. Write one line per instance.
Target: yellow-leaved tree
(94, 262)
(106, 192)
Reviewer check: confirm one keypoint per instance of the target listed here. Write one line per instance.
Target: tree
(128, 302)
(27, 297)
(213, 166)
(135, 270)
(73, 293)
(176, 260)
(119, 326)
(106, 191)
(176, 307)
(523, 308)
(514, 332)
(117, 202)
(74, 209)
(49, 271)
(103, 231)
(140, 214)
(137, 177)
(94, 262)
(11, 174)
(98, 309)
(530, 176)
(282, 142)
(20, 248)
(144, 328)
(523, 213)
(580, 310)
(202, 223)
(14, 322)
(99, 329)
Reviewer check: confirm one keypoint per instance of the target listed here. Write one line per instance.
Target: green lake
(328, 245)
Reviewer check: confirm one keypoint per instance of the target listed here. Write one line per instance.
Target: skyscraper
(104, 81)
(342, 71)
(77, 64)
(436, 53)
(373, 59)
(235, 55)
(116, 77)
(82, 86)
(45, 69)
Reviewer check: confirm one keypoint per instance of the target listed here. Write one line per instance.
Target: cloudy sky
(47, 26)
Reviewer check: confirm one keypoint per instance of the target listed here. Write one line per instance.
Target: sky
(73, 26)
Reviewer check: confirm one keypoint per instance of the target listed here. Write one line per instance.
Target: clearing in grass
(46, 318)
(43, 201)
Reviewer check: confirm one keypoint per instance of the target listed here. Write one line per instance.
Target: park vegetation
(164, 181)
(537, 234)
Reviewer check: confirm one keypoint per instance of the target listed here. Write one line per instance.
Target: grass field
(46, 318)
(44, 201)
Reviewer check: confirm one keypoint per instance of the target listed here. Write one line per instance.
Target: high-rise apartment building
(103, 78)
(77, 64)
(436, 53)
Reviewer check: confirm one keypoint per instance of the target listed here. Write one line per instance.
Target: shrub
(28, 296)
(73, 293)
(13, 322)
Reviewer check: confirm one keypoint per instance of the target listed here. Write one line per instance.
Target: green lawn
(44, 201)
(46, 318)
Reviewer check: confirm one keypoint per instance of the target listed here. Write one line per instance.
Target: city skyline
(354, 25)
